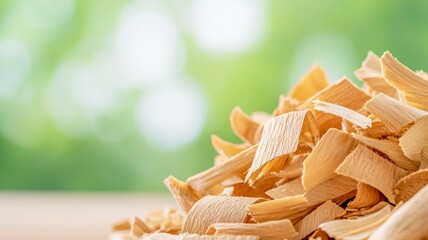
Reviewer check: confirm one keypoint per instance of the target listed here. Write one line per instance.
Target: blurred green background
(117, 95)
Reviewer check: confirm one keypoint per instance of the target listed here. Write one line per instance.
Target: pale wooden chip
(371, 73)
(408, 222)
(367, 167)
(413, 86)
(288, 189)
(409, 185)
(122, 225)
(330, 151)
(243, 126)
(352, 213)
(281, 136)
(328, 190)
(340, 229)
(184, 195)
(274, 230)
(285, 105)
(343, 93)
(312, 82)
(424, 158)
(234, 166)
(278, 209)
(415, 139)
(294, 167)
(326, 212)
(386, 108)
(225, 148)
(139, 227)
(343, 112)
(390, 149)
(215, 209)
(367, 196)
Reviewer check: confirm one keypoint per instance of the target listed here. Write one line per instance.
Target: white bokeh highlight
(80, 92)
(148, 46)
(15, 63)
(227, 26)
(172, 116)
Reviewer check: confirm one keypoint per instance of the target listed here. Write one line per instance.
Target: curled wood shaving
(368, 167)
(408, 222)
(340, 229)
(386, 108)
(343, 112)
(285, 105)
(415, 139)
(243, 126)
(294, 167)
(390, 149)
(413, 86)
(409, 185)
(139, 227)
(277, 209)
(122, 225)
(216, 209)
(371, 73)
(235, 165)
(185, 196)
(274, 230)
(319, 166)
(326, 212)
(312, 82)
(227, 149)
(367, 196)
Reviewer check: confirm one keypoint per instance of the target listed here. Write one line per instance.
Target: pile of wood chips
(333, 161)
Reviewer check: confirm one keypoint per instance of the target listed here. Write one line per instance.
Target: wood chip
(371, 73)
(274, 230)
(244, 126)
(413, 142)
(326, 212)
(312, 82)
(408, 222)
(216, 209)
(278, 209)
(413, 86)
(285, 105)
(185, 195)
(367, 167)
(340, 229)
(367, 196)
(343, 93)
(386, 108)
(343, 112)
(390, 149)
(319, 166)
(409, 185)
(139, 227)
(225, 148)
(281, 136)
(234, 166)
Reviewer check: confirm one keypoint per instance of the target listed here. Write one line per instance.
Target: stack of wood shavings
(333, 161)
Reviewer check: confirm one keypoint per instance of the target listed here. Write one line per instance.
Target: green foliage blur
(39, 152)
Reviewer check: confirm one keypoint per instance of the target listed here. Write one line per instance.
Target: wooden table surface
(63, 216)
